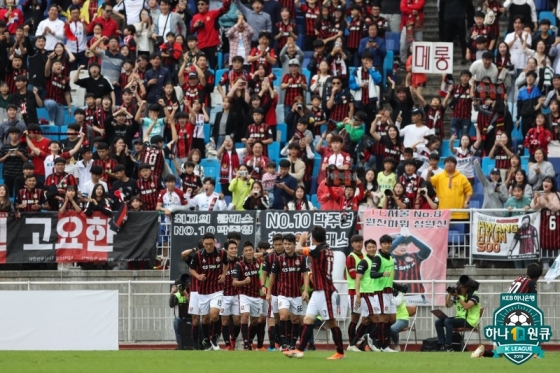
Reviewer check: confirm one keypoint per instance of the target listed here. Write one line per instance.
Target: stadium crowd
(155, 69)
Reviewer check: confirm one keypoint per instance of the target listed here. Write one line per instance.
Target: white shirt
(202, 202)
(132, 9)
(478, 71)
(518, 58)
(164, 28)
(88, 188)
(56, 26)
(465, 161)
(168, 199)
(48, 162)
(80, 45)
(83, 173)
(412, 134)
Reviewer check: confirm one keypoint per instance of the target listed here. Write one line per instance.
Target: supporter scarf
(226, 160)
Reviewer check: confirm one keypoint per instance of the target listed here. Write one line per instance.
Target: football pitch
(252, 361)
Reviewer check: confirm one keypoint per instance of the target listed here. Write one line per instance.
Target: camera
(422, 192)
(466, 281)
(299, 106)
(388, 192)
(255, 193)
(243, 173)
(453, 289)
(400, 288)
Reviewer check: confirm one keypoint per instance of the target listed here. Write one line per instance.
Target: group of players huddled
(281, 285)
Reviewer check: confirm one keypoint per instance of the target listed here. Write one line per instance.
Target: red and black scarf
(226, 160)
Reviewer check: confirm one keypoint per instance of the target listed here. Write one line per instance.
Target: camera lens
(388, 192)
(422, 192)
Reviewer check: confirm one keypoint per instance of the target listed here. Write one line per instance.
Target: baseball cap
(59, 160)
(118, 168)
(495, 171)
(293, 61)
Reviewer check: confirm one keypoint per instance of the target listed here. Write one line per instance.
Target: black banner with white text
(49, 237)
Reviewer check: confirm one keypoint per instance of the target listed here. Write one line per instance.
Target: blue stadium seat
(525, 162)
(315, 202)
(47, 128)
(313, 189)
(277, 71)
(63, 130)
(274, 152)
(317, 165)
(459, 228)
(206, 132)
(282, 129)
(388, 63)
(555, 164)
(548, 15)
(487, 165)
(445, 152)
(218, 76)
(393, 41)
(220, 61)
(239, 145)
(42, 113)
(475, 204)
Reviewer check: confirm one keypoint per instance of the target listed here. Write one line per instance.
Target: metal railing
(145, 315)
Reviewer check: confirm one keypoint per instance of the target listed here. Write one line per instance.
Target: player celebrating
(246, 279)
(274, 320)
(324, 292)
(209, 267)
(357, 242)
(291, 272)
(188, 256)
(408, 264)
(230, 301)
(383, 272)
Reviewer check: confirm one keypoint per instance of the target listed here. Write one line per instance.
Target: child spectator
(517, 201)
(269, 180)
(171, 52)
(129, 32)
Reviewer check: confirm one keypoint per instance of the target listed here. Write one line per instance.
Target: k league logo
(518, 328)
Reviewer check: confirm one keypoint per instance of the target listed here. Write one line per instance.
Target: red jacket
(537, 139)
(110, 26)
(330, 198)
(208, 35)
(16, 19)
(407, 6)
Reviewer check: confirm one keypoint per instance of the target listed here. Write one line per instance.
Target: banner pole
(470, 236)
(432, 301)
(129, 336)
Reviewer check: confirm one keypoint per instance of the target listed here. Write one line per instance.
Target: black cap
(118, 168)
(156, 139)
(495, 171)
(144, 166)
(416, 110)
(59, 160)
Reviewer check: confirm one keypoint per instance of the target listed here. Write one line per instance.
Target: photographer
(396, 199)
(426, 199)
(467, 303)
(240, 187)
(179, 298)
(256, 200)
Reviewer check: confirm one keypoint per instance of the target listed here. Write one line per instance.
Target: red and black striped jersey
(527, 237)
(211, 265)
(93, 117)
(355, 33)
(502, 159)
(291, 7)
(522, 284)
(285, 29)
(61, 182)
(190, 183)
(154, 156)
(434, 119)
(323, 27)
(381, 129)
(341, 106)
(461, 96)
(30, 198)
(407, 267)
(57, 86)
(229, 289)
(267, 267)
(311, 16)
(107, 165)
(262, 60)
(11, 78)
(294, 88)
(554, 120)
(244, 269)
(411, 185)
(289, 271)
(550, 233)
(149, 191)
(322, 262)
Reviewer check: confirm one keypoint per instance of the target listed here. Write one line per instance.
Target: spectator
(257, 160)
(340, 102)
(95, 83)
(495, 192)
(391, 11)
(453, 188)
(287, 30)
(521, 8)
(502, 153)
(544, 35)
(204, 24)
(529, 102)
(124, 184)
(424, 151)
(239, 37)
(13, 155)
(371, 194)
(539, 170)
(56, 183)
(412, 24)
(98, 202)
(548, 197)
(514, 40)
(285, 186)
(300, 202)
(538, 137)
(375, 46)
(363, 83)
(226, 124)
(351, 198)
(209, 200)
(11, 122)
(520, 178)
(27, 100)
(240, 188)
(396, 198)
(170, 197)
(110, 27)
(256, 198)
(229, 160)
(465, 153)
(297, 166)
(71, 200)
(58, 92)
(52, 29)
(269, 181)
(155, 79)
(335, 156)
(329, 197)
(258, 19)
(191, 183)
(94, 178)
(293, 84)
(484, 68)
(461, 103)
(111, 61)
(30, 198)
(78, 46)
(518, 201)
(295, 114)
(416, 132)
(402, 104)
(168, 21)
(144, 31)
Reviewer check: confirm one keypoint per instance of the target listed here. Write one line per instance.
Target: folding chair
(412, 314)
(475, 329)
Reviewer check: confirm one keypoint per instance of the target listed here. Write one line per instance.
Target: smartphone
(228, 138)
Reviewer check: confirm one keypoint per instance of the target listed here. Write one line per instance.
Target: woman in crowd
(195, 156)
(5, 202)
(300, 202)
(538, 137)
(98, 202)
(240, 187)
(318, 80)
(465, 153)
(521, 179)
(144, 31)
(71, 200)
(540, 169)
(514, 166)
(256, 200)
(396, 199)
(495, 192)
(371, 195)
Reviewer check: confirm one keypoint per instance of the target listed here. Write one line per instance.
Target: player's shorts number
(552, 222)
(300, 308)
(220, 303)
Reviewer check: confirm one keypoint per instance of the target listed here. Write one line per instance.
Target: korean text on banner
(432, 58)
(506, 238)
(419, 247)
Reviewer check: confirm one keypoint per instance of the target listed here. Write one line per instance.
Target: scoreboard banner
(189, 227)
(419, 248)
(506, 238)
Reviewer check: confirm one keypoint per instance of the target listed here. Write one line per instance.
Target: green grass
(256, 361)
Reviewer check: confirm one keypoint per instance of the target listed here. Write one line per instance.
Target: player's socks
(359, 334)
(296, 330)
(283, 339)
(383, 334)
(236, 331)
(352, 330)
(288, 330)
(252, 333)
(272, 336)
(337, 338)
(205, 331)
(225, 334)
(278, 332)
(261, 329)
(374, 331)
(216, 326)
(306, 335)
(245, 335)
(387, 334)
(195, 335)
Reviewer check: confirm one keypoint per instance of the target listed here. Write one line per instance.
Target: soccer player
(352, 260)
(209, 267)
(363, 290)
(382, 272)
(188, 256)
(522, 284)
(230, 301)
(527, 237)
(246, 279)
(408, 264)
(274, 317)
(324, 292)
(291, 272)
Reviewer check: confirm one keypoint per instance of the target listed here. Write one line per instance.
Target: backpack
(430, 345)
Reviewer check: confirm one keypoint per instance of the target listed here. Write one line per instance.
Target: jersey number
(552, 222)
(514, 287)
(152, 157)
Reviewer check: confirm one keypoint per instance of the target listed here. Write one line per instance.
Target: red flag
(68, 33)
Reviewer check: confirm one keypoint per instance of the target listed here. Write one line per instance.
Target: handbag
(160, 39)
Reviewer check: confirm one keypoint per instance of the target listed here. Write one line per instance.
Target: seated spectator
(98, 202)
(285, 186)
(226, 124)
(57, 182)
(240, 187)
(300, 202)
(375, 46)
(501, 151)
(319, 80)
(371, 195)
(548, 197)
(340, 102)
(495, 192)
(258, 131)
(517, 201)
(28, 169)
(538, 137)
(529, 102)
(520, 178)
(540, 169)
(5, 202)
(297, 166)
(169, 197)
(396, 199)
(402, 319)
(389, 143)
(424, 151)
(11, 122)
(297, 111)
(30, 198)
(125, 185)
(71, 200)
(407, 154)
(293, 84)
(257, 161)
(269, 180)
(95, 178)
(148, 187)
(257, 198)
(195, 156)
(336, 157)
(464, 153)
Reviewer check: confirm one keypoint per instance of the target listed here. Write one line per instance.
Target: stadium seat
(487, 165)
(388, 64)
(315, 202)
(207, 133)
(220, 61)
(555, 164)
(277, 71)
(282, 133)
(209, 162)
(393, 41)
(445, 152)
(274, 152)
(313, 189)
(239, 145)
(525, 162)
(548, 15)
(63, 131)
(474, 205)
(46, 129)
(42, 113)
(317, 165)
(218, 76)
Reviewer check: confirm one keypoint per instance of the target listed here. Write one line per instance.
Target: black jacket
(232, 125)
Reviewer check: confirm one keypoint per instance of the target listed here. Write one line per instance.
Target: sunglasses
(337, 83)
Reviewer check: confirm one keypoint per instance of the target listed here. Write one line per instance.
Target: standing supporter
(540, 170)
(30, 198)
(454, 16)
(168, 21)
(110, 27)
(340, 102)
(155, 78)
(529, 102)
(26, 100)
(402, 104)
(239, 36)
(330, 197)
(460, 100)
(464, 153)
(538, 137)
(56, 183)
(78, 46)
(286, 29)
(363, 84)
(311, 13)
(259, 20)
(285, 186)
(375, 45)
(417, 132)
(495, 192)
(391, 11)
(412, 24)
(294, 84)
(57, 92)
(148, 187)
(204, 24)
(52, 29)
(262, 53)
(13, 154)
